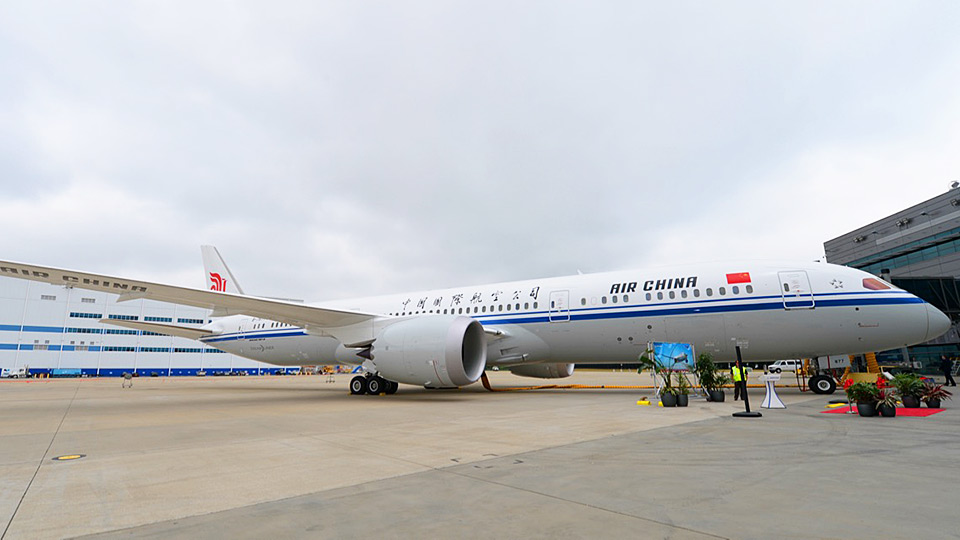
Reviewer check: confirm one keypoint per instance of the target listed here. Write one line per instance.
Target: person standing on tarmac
(739, 383)
(946, 366)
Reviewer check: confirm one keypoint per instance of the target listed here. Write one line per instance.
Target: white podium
(771, 400)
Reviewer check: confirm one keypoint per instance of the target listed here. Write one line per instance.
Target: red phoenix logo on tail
(219, 284)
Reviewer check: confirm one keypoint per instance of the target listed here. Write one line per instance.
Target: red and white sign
(739, 277)
(219, 283)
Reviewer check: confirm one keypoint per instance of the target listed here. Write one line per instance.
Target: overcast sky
(334, 149)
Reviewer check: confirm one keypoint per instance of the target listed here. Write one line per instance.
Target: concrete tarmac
(252, 457)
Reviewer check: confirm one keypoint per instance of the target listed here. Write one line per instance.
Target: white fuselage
(773, 310)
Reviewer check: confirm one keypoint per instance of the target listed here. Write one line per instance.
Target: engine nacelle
(434, 351)
(543, 371)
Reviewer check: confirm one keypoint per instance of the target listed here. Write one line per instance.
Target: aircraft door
(559, 306)
(796, 290)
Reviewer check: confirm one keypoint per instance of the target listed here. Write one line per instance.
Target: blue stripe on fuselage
(587, 314)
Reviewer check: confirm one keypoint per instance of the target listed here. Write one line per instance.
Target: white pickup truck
(15, 373)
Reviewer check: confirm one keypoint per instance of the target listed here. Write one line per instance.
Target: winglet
(218, 275)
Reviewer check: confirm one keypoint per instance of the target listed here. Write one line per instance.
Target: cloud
(351, 148)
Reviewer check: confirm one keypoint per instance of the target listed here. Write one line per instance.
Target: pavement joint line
(448, 468)
(587, 505)
(42, 459)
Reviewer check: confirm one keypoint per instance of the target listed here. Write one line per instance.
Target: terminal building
(56, 329)
(918, 250)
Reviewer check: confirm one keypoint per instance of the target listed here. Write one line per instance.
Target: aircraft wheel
(822, 384)
(375, 385)
(358, 385)
(392, 387)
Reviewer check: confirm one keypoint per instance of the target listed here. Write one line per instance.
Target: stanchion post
(746, 396)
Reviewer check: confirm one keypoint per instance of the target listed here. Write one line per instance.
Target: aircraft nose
(937, 323)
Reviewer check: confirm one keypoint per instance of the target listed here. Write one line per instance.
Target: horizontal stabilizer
(161, 328)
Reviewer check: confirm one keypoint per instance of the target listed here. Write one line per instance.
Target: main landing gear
(372, 384)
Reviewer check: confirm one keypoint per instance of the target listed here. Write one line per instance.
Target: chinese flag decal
(740, 277)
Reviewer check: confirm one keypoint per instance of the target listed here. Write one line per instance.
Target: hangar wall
(54, 327)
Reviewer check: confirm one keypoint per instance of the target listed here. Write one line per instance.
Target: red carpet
(901, 411)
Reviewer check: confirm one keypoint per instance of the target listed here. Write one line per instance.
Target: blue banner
(673, 355)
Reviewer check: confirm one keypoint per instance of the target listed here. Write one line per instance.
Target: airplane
(446, 338)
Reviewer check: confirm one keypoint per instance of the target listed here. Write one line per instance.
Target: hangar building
(49, 327)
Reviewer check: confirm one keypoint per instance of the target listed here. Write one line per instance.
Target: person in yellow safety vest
(739, 384)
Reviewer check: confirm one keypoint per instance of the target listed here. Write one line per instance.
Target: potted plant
(711, 379)
(910, 387)
(933, 394)
(865, 395)
(668, 396)
(667, 393)
(683, 389)
(887, 403)
(720, 381)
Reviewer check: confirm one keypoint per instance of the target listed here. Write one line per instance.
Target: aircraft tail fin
(218, 275)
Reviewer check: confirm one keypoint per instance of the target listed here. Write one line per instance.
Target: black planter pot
(867, 409)
(933, 403)
(911, 402)
(668, 400)
(717, 395)
(683, 400)
(887, 410)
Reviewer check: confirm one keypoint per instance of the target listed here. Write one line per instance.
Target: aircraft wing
(293, 313)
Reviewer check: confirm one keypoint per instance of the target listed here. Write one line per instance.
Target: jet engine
(543, 371)
(433, 351)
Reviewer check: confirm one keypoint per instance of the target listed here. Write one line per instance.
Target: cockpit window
(874, 284)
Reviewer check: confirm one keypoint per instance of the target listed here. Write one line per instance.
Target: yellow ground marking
(68, 457)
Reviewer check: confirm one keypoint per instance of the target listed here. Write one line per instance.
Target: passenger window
(613, 299)
(551, 304)
(500, 307)
(484, 309)
(603, 300)
(518, 306)
(696, 293)
(526, 305)
(672, 295)
(583, 301)
(735, 289)
(709, 291)
(723, 291)
(648, 297)
(659, 296)
(786, 287)
(508, 307)
(626, 298)
(749, 289)
(683, 293)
